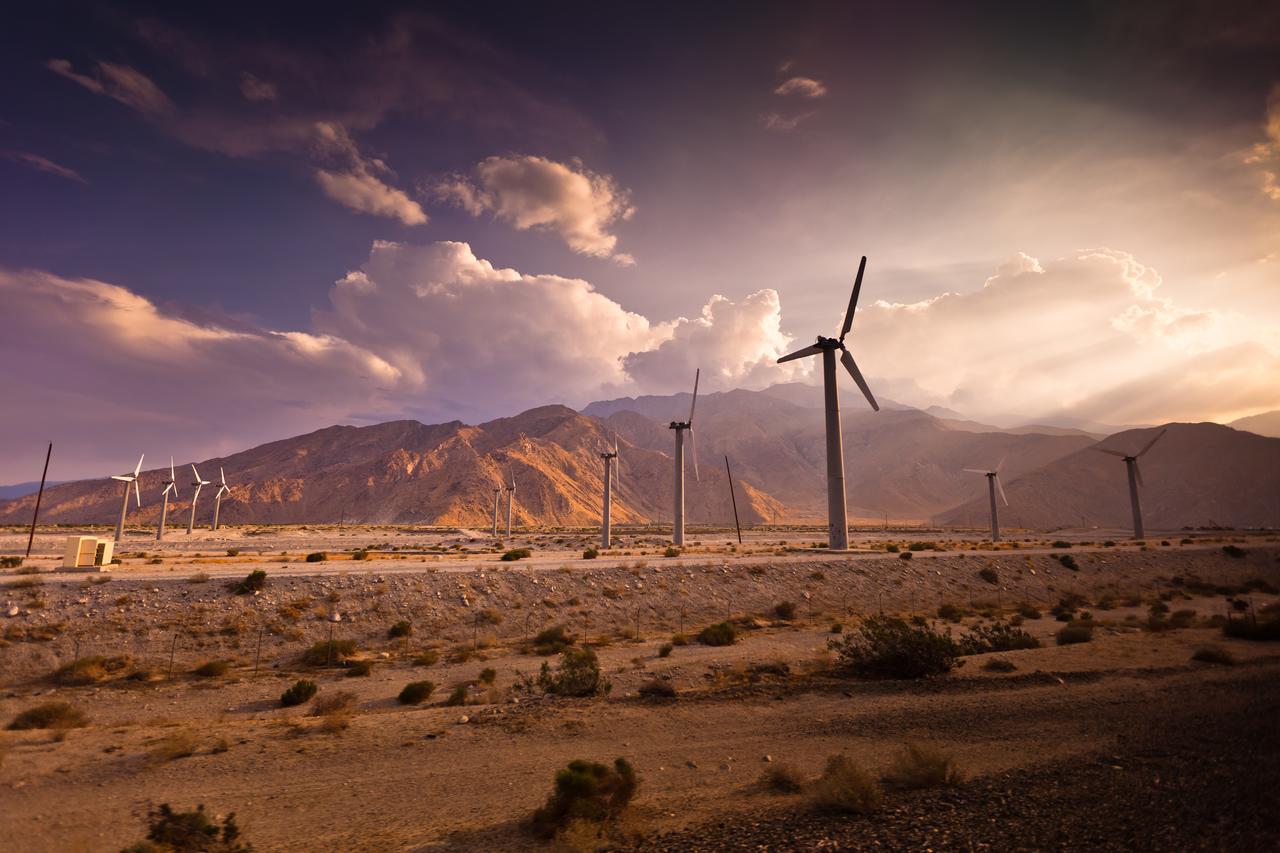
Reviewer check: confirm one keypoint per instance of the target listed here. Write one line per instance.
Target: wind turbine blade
(1137, 473)
(976, 471)
(137, 469)
(222, 475)
(1159, 435)
(847, 360)
(124, 478)
(194, 472)
(694, 402)
(801, 353)
(693, 440)
(137, 493)
(853, 300)
(1108, 451)
(1000, 464)
(1000, 489)
(172, 476)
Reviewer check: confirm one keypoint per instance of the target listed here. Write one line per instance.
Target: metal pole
(40, 494)
(733, 498)
(257, 657)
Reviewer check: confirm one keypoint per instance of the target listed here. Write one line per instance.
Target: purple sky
(223, 227)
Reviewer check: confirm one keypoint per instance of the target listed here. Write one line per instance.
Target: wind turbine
(1135, 479)
(217, 498)
(993, 484)
(837, 511)
(511, 493)
(497, 491)
(605, 527)
(199, 484)
(170, 485)
(124, 507)
(677, 531)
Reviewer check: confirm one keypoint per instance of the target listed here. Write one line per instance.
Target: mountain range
(902, 463)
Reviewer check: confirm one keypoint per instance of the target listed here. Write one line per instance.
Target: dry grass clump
(999, 665)
(1076, 632)
(428, 657)
(921, 766)
(168, 830)
(329, 651)
(50, 715)
(783, 779)
(657, 689)
(1214, 654)
(90, 670)
(212, 669)
(846, 787)
(171, 747)
(416, 692)
(335, 709)
(359, 668)
(300, 691)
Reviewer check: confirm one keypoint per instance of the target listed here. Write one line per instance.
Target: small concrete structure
(86, 553)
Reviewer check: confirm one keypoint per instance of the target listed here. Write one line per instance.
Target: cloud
(735, 345)
(1061, 337)
(805, 87)
(776, 121)
(531, 192)
(43, 164)
(119, 82)
(366, 193)
(1265, 156)
(425, 331)
(254, 89)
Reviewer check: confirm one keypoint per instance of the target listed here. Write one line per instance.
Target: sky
(228, 225)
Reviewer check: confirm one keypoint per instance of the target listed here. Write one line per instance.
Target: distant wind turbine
(993, 485)
(217, 498)
(1135, 479)
(677, 532)
(199, 484)
(610, 459)
(128, 479)
(837, 511)
(497, 492)
(170, 485)
(511, 494)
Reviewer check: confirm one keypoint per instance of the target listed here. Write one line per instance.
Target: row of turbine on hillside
(170, 487)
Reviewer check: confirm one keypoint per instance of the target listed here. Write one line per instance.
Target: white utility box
(86, 553)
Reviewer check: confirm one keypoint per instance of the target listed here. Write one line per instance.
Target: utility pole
(733, 498)
(40, 494)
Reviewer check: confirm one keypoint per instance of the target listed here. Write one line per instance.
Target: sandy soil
(421, 778)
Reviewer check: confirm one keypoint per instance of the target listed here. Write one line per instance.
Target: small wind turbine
(993, 484)
(170, 485)
(677, 532)
(1135, 479)
(511, 493)
(128, 479)
(497, 492)
(837, 511)
(217, 498)
(605, 527)
(199, 484)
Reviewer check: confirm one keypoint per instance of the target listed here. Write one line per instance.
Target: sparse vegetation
(1027, 611)
(989, 575)
(921, 766)
(329, 651)
(888, 647)
(299, 692)
(90, 670)
(457, 697)
(1234, 551)
(552, 641)
(233, 552)
(783, 779)
(359, 668)
(590, 554)
(665, 649)
(586, 791)
(905, 555)
(516, 554)
(719, 634)
(1247, 629)
(403, 628)
(255, 581)
(189, 832)
(416, 692)
(846, 787)
(1075, 632)
(657, 689)
(171, 747)
(577, 674)
(317, 557)
(951, 612)
(1213, 654)
(429, 657)
(996, 637)
(49, 715)
(1061, 543)
(212, 669)
(999, 665)
(785, 610)
(8, 562)
(1067, 561)
(671, 551)
(488, 675)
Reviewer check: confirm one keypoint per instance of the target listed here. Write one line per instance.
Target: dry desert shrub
(179, 744)
(212, 669)
(416, 692)
(50, 715)
(657, 689)
(586, 791)
(335, 710)
(168, 830)
(89, 670)
(783, 779)
(1213, 654)
(921, 766)
(999, 665)
(846, 787)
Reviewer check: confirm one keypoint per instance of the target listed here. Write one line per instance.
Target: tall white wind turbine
(993, 485)
(128, 479)
(497, 493)
(610, 459)
(199, 484)
(677, 529)
(837, 511)
(511, 494)
(1135, 479)
(170, 485)
(217, 498)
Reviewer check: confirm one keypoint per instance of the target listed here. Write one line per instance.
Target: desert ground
(1121, 742)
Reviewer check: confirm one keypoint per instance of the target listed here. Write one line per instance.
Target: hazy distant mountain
(1198, 474)
(17, 490)
(1267, 423)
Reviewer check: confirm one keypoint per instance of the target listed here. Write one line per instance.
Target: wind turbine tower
(170, 485)
(677, 530)
(511, 494)
(497, 493)
(609, 461)
(993, 485)
(1135, 479)
(217, 498)
(837, 511)
(128, 479)
(199, 484)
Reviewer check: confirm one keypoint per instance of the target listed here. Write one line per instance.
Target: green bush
(664, 650)
(996, 637)
(188, 832)
(552, 641)
(577, 674)
(1234, 551)
(457, 697)
(516, 554)
(785, 610)
(301, 691)
(255, 581)
(586, 791)
(951, 612)
(328, 651)
(846, 787)
(671, 551)
(888, 647)
(590, 554)
(1076, 632)
(719, 634)
(50, 715)
(212, 669)
(317, 557)
(416, 692)
(403, 628)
